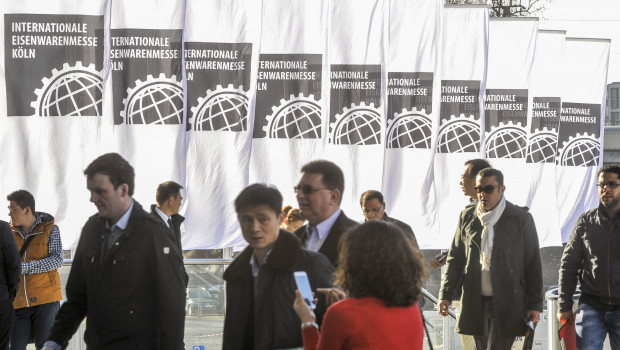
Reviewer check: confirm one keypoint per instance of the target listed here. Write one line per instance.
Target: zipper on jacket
(25, 289)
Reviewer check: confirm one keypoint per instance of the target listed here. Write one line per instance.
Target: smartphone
(303, 284)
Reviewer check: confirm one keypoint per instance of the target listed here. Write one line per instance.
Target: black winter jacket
(593, 254)
(10, 263)
(267, 320)
(133, 297)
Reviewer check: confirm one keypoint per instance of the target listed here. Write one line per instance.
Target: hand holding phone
(303, 284)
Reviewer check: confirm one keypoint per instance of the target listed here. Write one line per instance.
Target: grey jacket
(516, 271)
(592, 254)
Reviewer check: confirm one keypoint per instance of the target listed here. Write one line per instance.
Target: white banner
(290, 124)
(579, 155)
(412, 109)
(221, 40)
(512, 43)
(544, 118)
(51, 111)
(357, 46)
(463, 79)
(143, 96)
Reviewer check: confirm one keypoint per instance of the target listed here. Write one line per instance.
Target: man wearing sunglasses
(373, 208)
(319, 194)
(495, 253)
(591, 254)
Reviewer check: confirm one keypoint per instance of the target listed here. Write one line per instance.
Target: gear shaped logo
(154, 101)
(579, 150)
(299, 117)
(72, 91)
(410, 129)
(224, 109)
(542, 146)
(459, 134)
(358, 125)
(507, 140)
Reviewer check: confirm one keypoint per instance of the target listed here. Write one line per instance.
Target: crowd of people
(128, 279)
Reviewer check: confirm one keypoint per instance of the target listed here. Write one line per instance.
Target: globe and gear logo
(299, 117)
(409, 129)
(358, 125)
(459, 134)
(507, 140)
(579, 150)
(154, 101)
(542, 146)
(223, 109)
(72, 91)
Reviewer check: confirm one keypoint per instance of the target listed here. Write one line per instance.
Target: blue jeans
(592, 326)
(33, 322)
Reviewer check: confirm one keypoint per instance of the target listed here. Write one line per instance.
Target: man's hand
(533, 315)
(442, 307)
(332, 295)
(565, 316)
(438, 261)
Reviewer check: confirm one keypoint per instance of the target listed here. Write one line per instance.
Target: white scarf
(488, 219)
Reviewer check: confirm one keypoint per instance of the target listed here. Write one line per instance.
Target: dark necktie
(170, 224)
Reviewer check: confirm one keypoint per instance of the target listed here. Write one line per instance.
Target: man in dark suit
(373, 208)
(10, 274)
(168, 197)
(319, 194)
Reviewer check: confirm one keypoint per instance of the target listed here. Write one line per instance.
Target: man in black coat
(169, 198)
(260, 284)
(10, 272)
(127, 276)
(373, 208)
(319, 194)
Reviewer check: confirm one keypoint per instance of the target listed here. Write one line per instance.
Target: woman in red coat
(382, 273)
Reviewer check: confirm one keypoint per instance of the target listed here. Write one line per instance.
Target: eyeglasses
(307, 189)
(373, 212)
(611, 184)
(488, 189)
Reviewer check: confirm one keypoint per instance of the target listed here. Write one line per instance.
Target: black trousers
(491, 340)
(7, 316)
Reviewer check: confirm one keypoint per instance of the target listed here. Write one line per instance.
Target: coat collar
(284, 256)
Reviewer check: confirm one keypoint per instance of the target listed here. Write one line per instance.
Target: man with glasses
(495, 252)
(592, 255)
(373, 208)
(319, 194)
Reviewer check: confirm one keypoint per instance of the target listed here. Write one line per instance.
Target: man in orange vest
(37, 300)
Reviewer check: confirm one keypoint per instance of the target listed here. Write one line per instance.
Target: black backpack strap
(25, 246)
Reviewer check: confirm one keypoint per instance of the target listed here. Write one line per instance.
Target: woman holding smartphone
(382, 273)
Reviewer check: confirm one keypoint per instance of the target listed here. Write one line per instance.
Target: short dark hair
(259, 194)
(486, 172)
(294, 215)
(166, 190)
(23, 198)
(115, 167)
(609, 168)
(475, 165)
(377, 259)
(333, 178)
(371, 194)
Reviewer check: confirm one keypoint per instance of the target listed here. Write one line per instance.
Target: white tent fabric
(463, 76)
(218, 94)
(579, 156)
(290, 124)
(412, 109)
(45, 138)
(512, 43)
(221, 56)
(543, 122)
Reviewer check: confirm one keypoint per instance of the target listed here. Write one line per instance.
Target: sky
(588, 19)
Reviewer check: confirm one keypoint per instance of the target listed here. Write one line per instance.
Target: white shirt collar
(124, 220)
(325, 226)
(162, 215)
